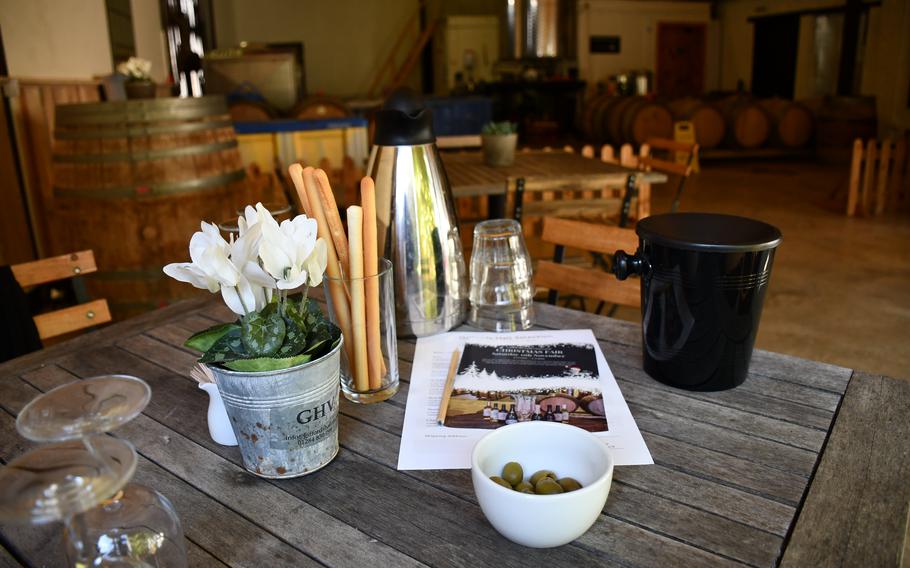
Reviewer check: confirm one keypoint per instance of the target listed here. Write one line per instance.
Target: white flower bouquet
(254, 274)
(136, 69)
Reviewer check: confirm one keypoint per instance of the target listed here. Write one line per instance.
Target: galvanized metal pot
(286, 421)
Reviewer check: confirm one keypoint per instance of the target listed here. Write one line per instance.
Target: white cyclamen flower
(210, 268)
(286, 250)
(254, 286)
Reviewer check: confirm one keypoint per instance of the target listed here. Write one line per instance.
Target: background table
(785, 467)
(469, 176)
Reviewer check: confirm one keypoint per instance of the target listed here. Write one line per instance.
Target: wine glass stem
(74, 531)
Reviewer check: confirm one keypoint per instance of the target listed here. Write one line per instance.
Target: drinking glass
(81, 478)
(369, 360)
(502, 287)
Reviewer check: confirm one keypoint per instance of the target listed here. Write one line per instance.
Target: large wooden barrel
(592, 120)
(708, 121)
(251, 111)
(841, 120)
(318, 107)
(748, 125)
(792, 122)
(635, 119)
(132, 180)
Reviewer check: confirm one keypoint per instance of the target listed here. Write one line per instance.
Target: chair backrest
(457, 142)
(672, 164)
(588, 282)
(885, 174)
(66, 320)
(590, 201)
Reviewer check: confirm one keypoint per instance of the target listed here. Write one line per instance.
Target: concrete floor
(840, 288)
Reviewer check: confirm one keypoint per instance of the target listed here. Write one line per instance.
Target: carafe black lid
(404, 120)
(708, 232)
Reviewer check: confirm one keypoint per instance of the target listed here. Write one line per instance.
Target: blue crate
(457, 116)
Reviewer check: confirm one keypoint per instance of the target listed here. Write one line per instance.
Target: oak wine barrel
(251, 111)
(708, 121)
(132, 180)
(792, 122)
(320, 108)
(593, 116)
(748, 125)
(635, 119)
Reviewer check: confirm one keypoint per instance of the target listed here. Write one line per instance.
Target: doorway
(774, 56)
(681, 49)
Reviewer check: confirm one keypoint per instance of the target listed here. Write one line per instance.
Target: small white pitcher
(219, 424)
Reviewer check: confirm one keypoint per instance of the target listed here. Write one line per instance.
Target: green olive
(568, 484)
(513, 473)
(524, 487)
(529, 491)
(500, 481)
(540, 475)
(547, 486)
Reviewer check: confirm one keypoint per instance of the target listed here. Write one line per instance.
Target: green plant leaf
(294, 340)
(265, 363)
(227, 348)
(204, 340)
(262, 333)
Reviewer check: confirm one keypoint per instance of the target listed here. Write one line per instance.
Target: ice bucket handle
(625, 265)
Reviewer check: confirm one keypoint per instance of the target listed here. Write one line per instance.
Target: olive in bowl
(542, 521)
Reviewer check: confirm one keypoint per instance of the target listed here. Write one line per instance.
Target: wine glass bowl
(54, 481)
(90, 406)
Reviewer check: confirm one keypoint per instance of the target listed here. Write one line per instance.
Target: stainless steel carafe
(416, 219)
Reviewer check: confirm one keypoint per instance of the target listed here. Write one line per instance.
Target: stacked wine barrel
(736, 121)
(132, 180)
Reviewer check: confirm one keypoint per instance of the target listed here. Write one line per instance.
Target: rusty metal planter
(286, 421)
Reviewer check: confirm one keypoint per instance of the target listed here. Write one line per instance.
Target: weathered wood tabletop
(470, 176)
(786, 468)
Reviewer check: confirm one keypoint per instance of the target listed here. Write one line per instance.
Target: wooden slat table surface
(783, 469)
(470, 176)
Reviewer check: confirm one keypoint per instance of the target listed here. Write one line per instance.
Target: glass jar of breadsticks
(359, 286)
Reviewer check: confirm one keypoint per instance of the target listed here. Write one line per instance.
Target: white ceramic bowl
(542, 521)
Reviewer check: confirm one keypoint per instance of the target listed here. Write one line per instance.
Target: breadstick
(330, 208)
(371, 268)
(358, 302)
(336, 289)
(296, 173)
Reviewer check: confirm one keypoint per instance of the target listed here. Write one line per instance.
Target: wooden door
(681, 51)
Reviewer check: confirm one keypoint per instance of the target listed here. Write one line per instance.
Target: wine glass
(81, 477)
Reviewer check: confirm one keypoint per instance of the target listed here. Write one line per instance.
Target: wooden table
(469, 176)
(785, 468)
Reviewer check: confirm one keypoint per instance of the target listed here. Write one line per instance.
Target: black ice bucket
(703, 282)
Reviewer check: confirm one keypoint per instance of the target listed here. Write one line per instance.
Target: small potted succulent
(139, 83)
(277, 366)
(498, 141)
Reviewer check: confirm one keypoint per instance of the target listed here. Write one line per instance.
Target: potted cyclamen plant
(277, 367)
(139, 83)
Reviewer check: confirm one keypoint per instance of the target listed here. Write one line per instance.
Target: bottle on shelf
(549, 416)
(565, 413)
(486, 411)
(511, 417)
(503, 413)
(536, 415)
(494, 413)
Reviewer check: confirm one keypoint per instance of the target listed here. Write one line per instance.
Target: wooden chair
(679, 161)
(885, 174)
(558, 198)
(586, 281)
(66, 320)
